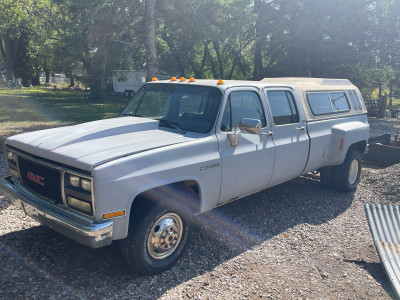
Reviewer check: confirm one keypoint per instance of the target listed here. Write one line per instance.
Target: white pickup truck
(180, 148)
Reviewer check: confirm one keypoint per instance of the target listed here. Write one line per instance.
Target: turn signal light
(114, 214)
(173, 79)
(341, 144)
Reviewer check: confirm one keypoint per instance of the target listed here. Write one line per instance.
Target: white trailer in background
(128, 82)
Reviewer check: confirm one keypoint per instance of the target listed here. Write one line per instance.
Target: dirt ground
(293, 241)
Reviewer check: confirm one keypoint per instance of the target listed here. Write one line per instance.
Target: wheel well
(184, 194)
(359, 146)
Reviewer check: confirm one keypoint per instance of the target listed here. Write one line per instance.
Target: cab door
(290, 134)
(246, 166)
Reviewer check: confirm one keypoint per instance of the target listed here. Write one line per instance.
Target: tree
(151, 51)
(17, 18)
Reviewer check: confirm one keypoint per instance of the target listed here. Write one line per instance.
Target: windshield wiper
(172, 124)
(131, 115)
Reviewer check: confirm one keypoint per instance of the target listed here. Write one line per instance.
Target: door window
(283, 107)
(242, 104)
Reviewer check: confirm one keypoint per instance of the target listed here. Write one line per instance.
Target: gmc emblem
(35, 178)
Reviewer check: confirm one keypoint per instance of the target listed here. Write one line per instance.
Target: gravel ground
(296, 240)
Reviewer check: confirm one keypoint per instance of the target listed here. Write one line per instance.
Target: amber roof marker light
(154, 79)
(182, 79)
(173, 79)
(220, 81)
(191, 79)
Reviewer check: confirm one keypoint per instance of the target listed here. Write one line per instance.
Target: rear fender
(343, 137)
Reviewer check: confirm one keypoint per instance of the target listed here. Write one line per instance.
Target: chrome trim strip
(73, 225)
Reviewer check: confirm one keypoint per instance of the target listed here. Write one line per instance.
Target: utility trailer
(128, 82)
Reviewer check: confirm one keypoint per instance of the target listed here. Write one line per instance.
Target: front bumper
(58, 218)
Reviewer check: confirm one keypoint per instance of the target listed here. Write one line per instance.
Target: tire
(326, 175)
(126, 93)
(347, 175)
(131, 94)
(158, 228)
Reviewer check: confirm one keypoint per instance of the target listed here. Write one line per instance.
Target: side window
(244, 104)
(327, 102)
(355, 99)
(283, 107)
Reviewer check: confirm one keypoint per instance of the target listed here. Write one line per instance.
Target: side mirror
(250, 126)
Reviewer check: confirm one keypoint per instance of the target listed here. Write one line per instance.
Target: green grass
(396, 104)
(56, 105)
(27, 109)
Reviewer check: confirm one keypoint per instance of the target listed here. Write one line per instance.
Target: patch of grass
(29, 109)
(43, 104)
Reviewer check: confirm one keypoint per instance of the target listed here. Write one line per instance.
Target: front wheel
(347, 175)
(156, 241)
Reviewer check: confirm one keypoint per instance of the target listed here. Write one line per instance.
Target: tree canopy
(233, 39)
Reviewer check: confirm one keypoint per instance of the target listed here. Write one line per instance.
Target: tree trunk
(71, 79)
(233, 68)
(36, 79)
(11, 46)
(221, 67)
(382, 106)
(47, 73)
(151, 51)
(211, 60)
(391, 95)
(258, 63)
(2, 51)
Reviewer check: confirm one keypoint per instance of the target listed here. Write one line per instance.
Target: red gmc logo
(35, 178)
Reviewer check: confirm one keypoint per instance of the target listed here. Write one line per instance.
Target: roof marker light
(220, 81)
(154, 79)
(182, 79)
(192, 79)
(173, 79)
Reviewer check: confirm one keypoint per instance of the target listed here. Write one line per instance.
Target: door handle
(268, 133)
(301, 128)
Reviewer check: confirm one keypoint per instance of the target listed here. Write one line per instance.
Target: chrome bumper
(58, 218)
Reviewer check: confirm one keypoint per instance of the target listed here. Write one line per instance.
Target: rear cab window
(283, 107)
(322, 103)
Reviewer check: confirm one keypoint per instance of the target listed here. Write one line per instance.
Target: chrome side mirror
(250, 126)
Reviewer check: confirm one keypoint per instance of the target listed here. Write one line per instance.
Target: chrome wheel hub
(353, 171)
(165, 236)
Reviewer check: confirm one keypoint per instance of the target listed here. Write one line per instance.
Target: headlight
(80, 205)
(10, 155)
(78, 193)
(12, 163)
(86, 185)
(74, 181)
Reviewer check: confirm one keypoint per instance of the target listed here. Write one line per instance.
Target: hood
(88, 145)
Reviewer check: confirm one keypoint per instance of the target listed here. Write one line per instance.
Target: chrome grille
(41, 179)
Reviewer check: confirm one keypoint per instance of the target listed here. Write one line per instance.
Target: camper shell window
(322, 103)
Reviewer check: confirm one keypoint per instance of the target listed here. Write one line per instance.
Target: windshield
(188, 108)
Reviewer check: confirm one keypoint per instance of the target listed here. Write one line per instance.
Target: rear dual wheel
(344, 177)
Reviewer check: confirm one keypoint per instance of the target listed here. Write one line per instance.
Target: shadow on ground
(219, 236)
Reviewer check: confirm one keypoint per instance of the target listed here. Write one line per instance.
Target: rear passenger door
(289, 134)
